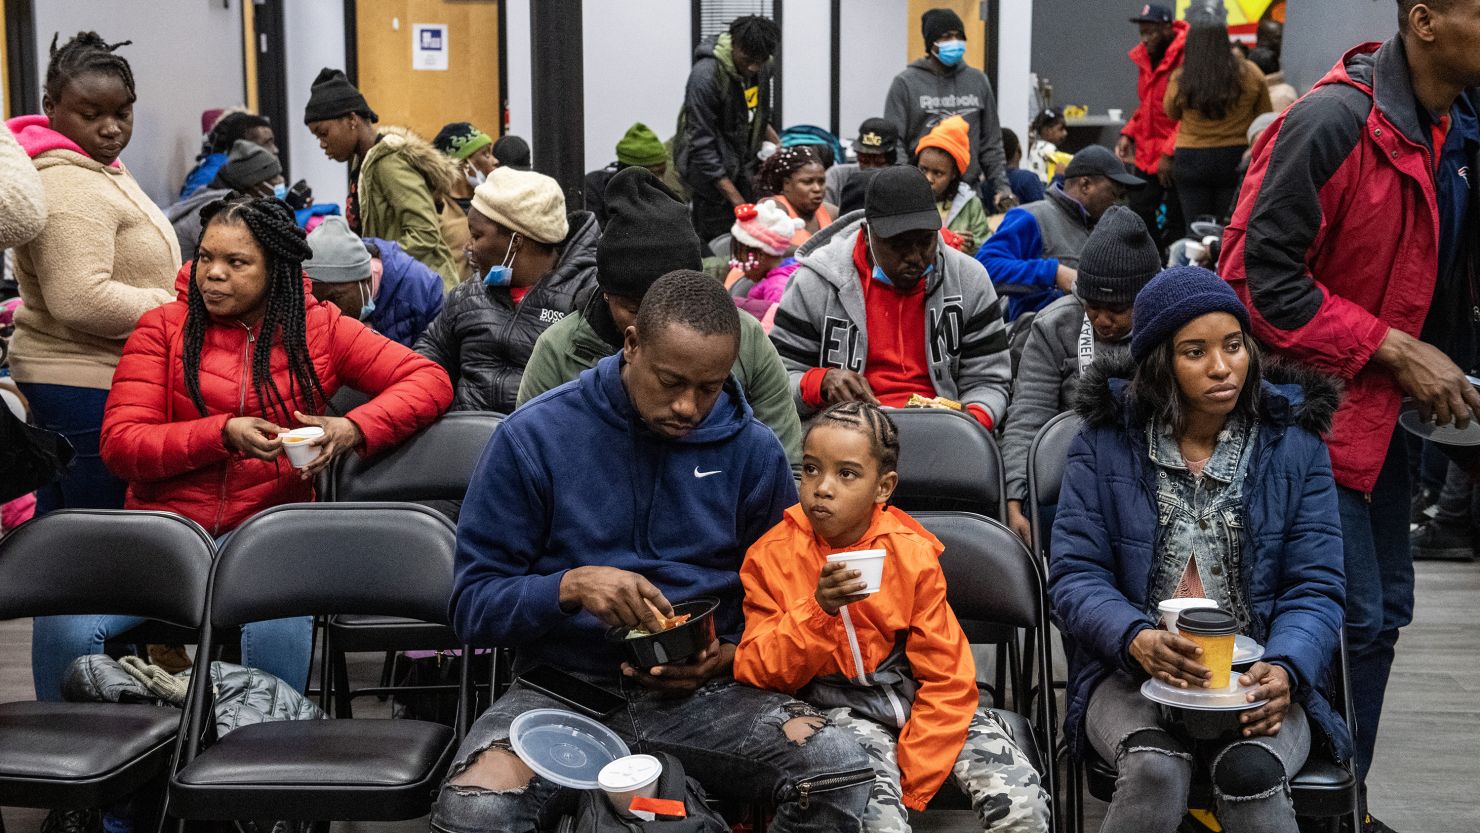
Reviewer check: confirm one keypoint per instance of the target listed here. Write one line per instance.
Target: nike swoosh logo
(703, 474)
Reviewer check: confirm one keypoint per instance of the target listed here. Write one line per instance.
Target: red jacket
(1336, 239)
(1154, 132)
(174, 459)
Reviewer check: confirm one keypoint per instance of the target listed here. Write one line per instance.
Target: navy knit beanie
(1175, 297)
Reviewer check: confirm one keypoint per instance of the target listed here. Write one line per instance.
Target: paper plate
(1415, 424)
(1229, 699)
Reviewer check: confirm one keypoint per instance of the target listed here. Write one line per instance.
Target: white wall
(314, 31)
(520, 93)
(636, 62)
(874, 49)
(1014, 64)
(806, 70)
(171, 42)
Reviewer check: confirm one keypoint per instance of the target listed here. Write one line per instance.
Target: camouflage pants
(1004, 787)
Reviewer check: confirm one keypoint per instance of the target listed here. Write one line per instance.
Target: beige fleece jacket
(106, 256)
(22, 207)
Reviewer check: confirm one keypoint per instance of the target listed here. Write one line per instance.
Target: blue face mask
(367, 309)
(950, 52)
(882, 278)
(280, 191)
(503, 273)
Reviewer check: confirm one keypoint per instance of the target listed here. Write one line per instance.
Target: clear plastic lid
(564, 747)
(1228, 699)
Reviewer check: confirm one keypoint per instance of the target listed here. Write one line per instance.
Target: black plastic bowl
(675, 645)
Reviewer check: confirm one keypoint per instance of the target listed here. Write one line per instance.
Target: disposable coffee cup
(1171, 608)
(631, 777)
(1115, 113)
(868, 562)
(297, 444)
(1214, 631)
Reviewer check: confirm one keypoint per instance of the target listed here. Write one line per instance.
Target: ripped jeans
(737, 741)
(1250, 775)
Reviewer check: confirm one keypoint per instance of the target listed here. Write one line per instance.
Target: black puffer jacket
(717, 136)
(483, 339)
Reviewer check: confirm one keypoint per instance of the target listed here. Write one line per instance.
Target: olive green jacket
(572, 345)
(401, 180)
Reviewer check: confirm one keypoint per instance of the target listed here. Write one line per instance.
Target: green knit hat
(461, 140)
(640, 146)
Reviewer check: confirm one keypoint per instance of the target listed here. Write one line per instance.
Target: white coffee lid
(307, 432)
(856, 555)
(630, 773)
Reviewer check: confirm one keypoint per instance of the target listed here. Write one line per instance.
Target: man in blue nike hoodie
(603, 502)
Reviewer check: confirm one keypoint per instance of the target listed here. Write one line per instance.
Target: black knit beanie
(1118, 259)
(512, 151)
(332, 96)
(247, 165)
(937, 22)
(648, 234)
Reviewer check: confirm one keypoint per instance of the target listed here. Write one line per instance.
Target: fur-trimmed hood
(433, 165)
(1293, 394)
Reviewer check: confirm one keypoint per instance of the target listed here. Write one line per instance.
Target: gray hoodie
(822, 321)
(919, 99)
(1046, 377)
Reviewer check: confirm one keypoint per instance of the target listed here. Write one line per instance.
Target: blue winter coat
(410, 294)
(1100, 570)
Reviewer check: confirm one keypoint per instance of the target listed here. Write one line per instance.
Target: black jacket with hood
(717, 137)
(483, 339)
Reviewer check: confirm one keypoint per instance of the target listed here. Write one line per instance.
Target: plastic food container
(675, 645)
(564, 747)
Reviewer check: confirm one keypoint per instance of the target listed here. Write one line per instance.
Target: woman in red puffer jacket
(207, 382)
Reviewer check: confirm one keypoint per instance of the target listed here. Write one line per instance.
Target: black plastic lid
(1207, 621)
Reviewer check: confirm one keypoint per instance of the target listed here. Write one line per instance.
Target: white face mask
(475, 177)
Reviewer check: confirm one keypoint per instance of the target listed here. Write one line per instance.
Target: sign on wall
(429, 46)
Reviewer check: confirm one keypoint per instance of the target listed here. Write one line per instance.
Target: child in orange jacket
(893, 667)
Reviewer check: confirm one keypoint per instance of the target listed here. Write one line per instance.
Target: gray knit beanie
(339, 256)
(247, 165)
(1118, 259)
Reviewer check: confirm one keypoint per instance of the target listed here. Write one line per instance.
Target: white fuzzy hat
(765, 226)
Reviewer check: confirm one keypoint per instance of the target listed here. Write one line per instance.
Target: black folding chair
(949, 462)
(95, 561)
(305, 559)
(1047, 458)
(992, 578)
(432, 468)
(1323, 790)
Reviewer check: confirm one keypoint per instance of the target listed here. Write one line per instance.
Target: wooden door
(971, 15)
(422, 99)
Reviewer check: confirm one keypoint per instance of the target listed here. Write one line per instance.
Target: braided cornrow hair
(781, 165)
(86, 52)
(871, 421)
(272, 225)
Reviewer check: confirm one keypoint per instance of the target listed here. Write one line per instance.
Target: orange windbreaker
(789, 640)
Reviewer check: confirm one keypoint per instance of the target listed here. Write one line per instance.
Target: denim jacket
(1201, 520)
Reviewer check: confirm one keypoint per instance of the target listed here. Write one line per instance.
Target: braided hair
(871, 421)
(272, 225)
(760, 37)
(85, 53)
(783, 165)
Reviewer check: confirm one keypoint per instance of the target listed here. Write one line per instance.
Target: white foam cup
(1196, 251)
(1172, 608)
(868, 562)
(297, 445)
(1115, 113)
(627, 778)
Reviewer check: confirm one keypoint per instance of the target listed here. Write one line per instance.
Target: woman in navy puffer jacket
(1197, 474)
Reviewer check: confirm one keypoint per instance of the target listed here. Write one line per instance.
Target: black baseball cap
(899, 200)
(1154, 13)
(1098, 160)
(876, 136)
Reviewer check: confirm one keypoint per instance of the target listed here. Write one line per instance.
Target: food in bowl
(686, 633)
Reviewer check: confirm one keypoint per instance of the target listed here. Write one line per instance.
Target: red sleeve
(981, 415)
(811, 387)
(139, 441)
(410, 391)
